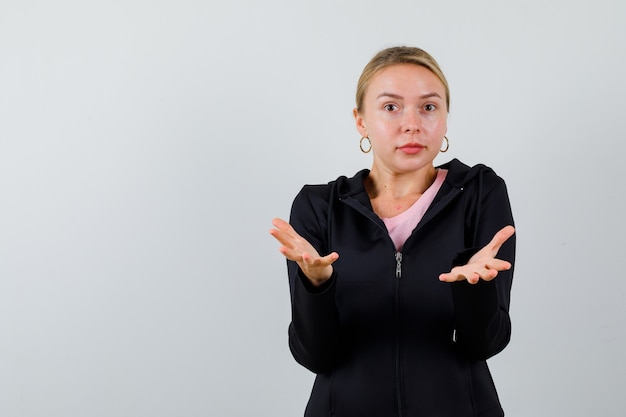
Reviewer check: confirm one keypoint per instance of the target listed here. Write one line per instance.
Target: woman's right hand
(318, 269)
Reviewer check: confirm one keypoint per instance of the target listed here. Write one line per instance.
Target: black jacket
(384, 335)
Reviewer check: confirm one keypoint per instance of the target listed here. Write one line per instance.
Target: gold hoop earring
(447, 146)
(369, 148)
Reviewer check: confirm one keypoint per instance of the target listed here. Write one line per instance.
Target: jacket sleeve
(314, 328)
(482, 321)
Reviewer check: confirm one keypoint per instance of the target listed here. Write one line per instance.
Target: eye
(390, 107)
(430, 107)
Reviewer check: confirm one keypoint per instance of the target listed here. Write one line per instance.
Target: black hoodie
(384, 336)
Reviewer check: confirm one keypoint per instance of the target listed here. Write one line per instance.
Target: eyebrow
(397, 96)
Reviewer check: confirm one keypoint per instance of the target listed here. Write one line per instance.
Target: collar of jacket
(459, 174)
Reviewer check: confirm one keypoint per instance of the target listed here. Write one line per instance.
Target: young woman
(400, 276)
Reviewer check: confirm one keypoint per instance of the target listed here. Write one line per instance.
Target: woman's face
(404, 115)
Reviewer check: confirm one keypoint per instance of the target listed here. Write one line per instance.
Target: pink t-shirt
(401, 226)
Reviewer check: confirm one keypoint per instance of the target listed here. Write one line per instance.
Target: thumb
(500, 237)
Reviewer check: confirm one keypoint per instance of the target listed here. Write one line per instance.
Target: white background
(145, 147)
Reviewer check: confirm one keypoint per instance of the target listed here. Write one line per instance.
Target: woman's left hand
(484, 264)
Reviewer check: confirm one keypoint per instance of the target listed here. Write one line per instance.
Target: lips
(411, 148)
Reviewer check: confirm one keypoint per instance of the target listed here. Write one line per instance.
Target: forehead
(405, 78)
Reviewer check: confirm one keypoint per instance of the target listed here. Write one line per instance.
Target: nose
(411, 121)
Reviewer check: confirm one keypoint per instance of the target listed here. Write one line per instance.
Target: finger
(290, 254)
(450, 277)
(456, 274)
(489, 271)
(282, 238)
(474, 277)
(500, 237)
(322, 261)
(285, 233)
(489, 268)
(498, 265)
(471, 277)
(485, 275)
(470, 273)
(444, 278)
(331, 258)
(280, 223)
(283, 227)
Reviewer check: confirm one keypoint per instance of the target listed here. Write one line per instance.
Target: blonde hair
(394, 56)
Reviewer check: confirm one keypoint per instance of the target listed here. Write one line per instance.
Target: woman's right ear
(360, 122)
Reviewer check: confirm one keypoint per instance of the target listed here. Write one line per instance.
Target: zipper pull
(398, 264)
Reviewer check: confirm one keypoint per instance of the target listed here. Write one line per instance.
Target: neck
(381, 183)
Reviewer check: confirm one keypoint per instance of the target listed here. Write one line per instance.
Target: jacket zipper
(397, 320)
(398, 365)
(398, 264)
